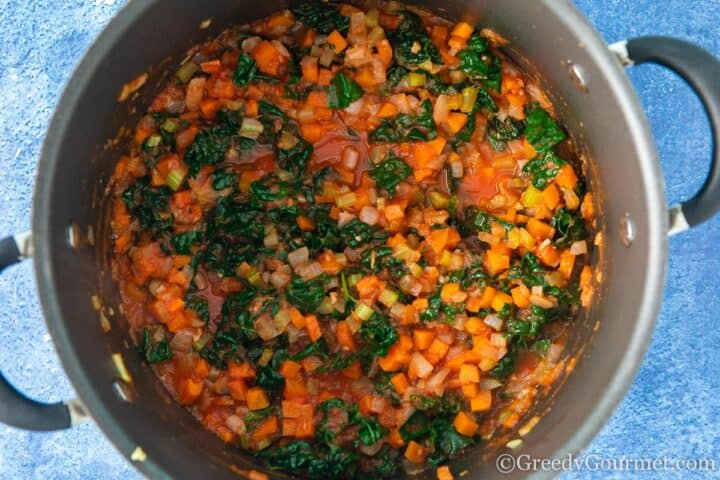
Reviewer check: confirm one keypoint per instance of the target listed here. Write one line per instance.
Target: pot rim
(652, 183)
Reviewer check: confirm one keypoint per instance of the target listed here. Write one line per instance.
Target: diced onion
(419, 363)
(369, 215)
(489, 384)
(493, 321)
(310, 271)
(441, 109)
(236, 424)
(578, 248)
(350, 157)
(299, 256)
(344, 218)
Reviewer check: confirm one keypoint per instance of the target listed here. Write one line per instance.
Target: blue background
(673, 407)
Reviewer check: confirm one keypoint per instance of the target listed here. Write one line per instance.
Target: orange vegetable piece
(312, 326)
(456, 121)
(415, 452)
(499, 301)
(306, 224)
(289, 368)
(444, 473)
(345, 336)
(385, 53)
(400, 383)
(387, 110)
(566, 177)
(422, 338)
(268, 427)
(469, 373)
(267, 57)
(337, 41)
(465, 424)
(475, 304)
(539, 230)
(255, 475)
(395, 439)
(567, 263)
(256, 398)
(353, 372)
(497, 259)
(521, 296)
(481, 402)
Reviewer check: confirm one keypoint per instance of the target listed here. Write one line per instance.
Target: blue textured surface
(673, 406)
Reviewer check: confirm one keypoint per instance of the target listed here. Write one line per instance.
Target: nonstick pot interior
(87, 137)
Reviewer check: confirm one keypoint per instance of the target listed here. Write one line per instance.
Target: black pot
(548, 38)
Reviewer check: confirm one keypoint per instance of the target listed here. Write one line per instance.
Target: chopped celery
(417, 79)
(175, 178)
(363, 312)
(251, 128)
(469, 97)
(186, 71)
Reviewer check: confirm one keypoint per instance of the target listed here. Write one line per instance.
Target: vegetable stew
(351, 242)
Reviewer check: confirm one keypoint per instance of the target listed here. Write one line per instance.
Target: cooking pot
(548, 38)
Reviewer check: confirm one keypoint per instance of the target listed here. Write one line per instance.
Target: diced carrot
(252, 107)
(317, 99)
(444, 473)
(393, 212)
(295, 388)
(415, 452)
(567, 263)
(499, 301)
(475, 326)
(353, 372)
(400, 383)
(345, 336)
(395, 439)
(475, 304)
(438, 144)
(481, 402)
(268, 427)
(497, 259)
(297, 318)
(456, 121)
(586, 287)
(521, 296)
(305, 424)
(436, 351)
(313, 328)
(465, 424)
(385, 53)
(548, 255)
(211, 66)
(325, 76)
(209, 107)
(551, 197)
(452, 293)
(337, 41)
(267, 57)
(289, 368)
(470, 390)
(291, 409)
(387, 110)
(223, 88)
(256, 398)
(237, 389)
(255, 475)
(469, 373)
(309, 67)
(369, 287)
(312, 132)
(306, 224)
(184, 138)
(289, 427)
(566, 177)
(283, 18)
(240, 370)
(462, 30)
(309, 38)
(422, 338)
(539, 230)
(439, 34)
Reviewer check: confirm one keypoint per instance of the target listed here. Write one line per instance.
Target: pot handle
(702, 71)
(16, 409)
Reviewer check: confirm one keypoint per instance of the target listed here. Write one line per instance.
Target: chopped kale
(343, 91)
(479, 63)
(320, 16)
(541, 131)
(155, 352)
(411, 43)
(390, 173)
(407, 128)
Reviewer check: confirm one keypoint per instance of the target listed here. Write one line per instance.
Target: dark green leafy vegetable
(182, 242)
(541, 131)
(322, 17)
(199, 305)
(295, 159)
(501, 132)
(343, 91)
(479, 63)
(390, 173)
(445, 405)
(540, 346)
(569, 227)
(208, 148)
(357, 233)
(543, 169)
(306, 296)
(411, 43)
(223, 178)
(379, 333)
(528, 270)
(407, 128)
(149, 205)
(504, 368)
(245, 70)
(154, 352)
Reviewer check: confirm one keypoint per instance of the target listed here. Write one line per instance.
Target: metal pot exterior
(605, 118)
